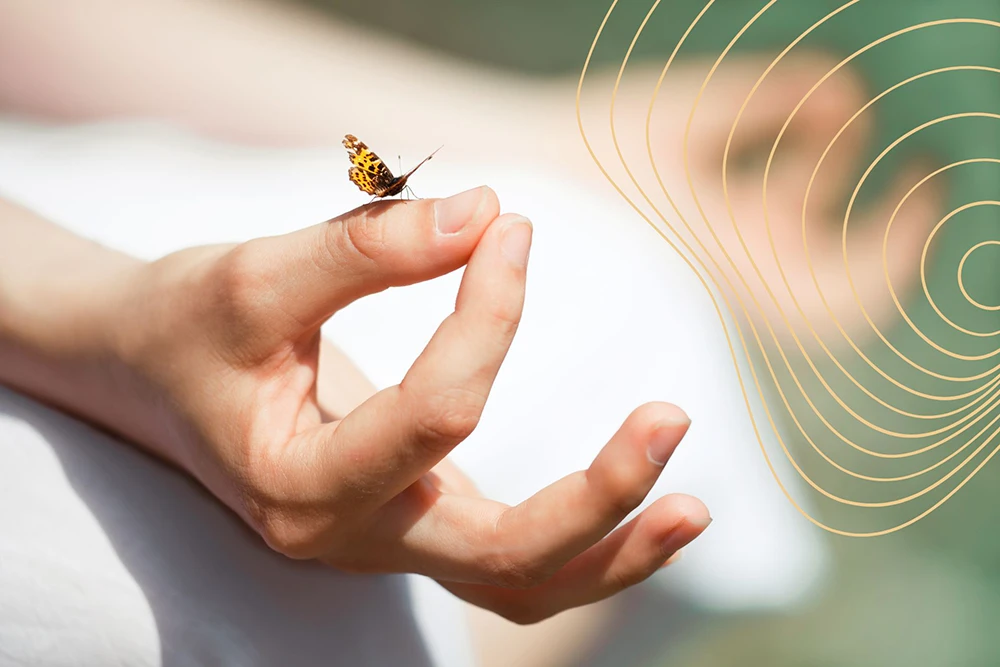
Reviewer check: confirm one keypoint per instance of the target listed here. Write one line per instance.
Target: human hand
(218, 366)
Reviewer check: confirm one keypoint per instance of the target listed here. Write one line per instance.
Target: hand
(219, 367)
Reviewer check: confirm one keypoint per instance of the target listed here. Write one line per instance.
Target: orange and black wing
(367, 170)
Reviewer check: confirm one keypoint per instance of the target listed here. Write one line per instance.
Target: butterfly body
(369, 172)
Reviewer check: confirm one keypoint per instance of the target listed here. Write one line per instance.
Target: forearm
(58, 299)
(249, 72)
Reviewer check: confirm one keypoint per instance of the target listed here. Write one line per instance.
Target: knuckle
(242, 284)
(621, 490)
(362, 236)
(451, 416)
(285, 523)
(622, 578)
(505, 318)
(288, 536)
(521, 613)
(518, 573)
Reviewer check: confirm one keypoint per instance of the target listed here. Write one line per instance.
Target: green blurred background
(929, 595)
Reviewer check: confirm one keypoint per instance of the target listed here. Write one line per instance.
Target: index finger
(399, 434)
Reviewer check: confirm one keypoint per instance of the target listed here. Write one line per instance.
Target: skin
(211, 358)
(75, 62)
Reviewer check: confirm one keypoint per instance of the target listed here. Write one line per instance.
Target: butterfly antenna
(410, 173)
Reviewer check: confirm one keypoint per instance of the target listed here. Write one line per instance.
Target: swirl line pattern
(936, 441)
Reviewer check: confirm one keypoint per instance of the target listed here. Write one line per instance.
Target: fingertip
(657, 413)
(673, 415)
(465, 210)
(455, 213)
(690, 510)
(515, 239)
(491, 202)
(665, 425)
(489, 209)
(686, 518)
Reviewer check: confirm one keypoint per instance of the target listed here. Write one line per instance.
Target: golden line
(984, 398)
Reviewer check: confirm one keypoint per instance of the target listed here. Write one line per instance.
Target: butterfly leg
(399, 160)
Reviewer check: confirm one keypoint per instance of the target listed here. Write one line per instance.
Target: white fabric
(107, 557)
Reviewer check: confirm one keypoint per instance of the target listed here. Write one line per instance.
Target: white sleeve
(613, 319)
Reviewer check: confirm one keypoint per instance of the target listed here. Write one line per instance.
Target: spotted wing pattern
(367, 170)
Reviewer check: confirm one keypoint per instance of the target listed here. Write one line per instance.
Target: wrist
(59, 301)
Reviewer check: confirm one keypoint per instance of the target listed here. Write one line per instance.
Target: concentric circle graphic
(885, 439)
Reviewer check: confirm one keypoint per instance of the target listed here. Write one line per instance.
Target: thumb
(320, 269)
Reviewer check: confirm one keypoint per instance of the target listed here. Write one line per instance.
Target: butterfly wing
(367, 170)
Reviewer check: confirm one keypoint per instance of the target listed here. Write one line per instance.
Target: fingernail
(678, 537)
(664, 440)
(455, 212)
(515, 241)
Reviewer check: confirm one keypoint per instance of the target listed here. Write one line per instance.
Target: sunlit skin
(80, 67)
(211, 358)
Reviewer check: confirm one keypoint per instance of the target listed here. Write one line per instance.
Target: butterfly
(370, 174)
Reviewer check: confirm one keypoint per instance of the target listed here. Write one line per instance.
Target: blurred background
(928, 595)
(220, 95)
